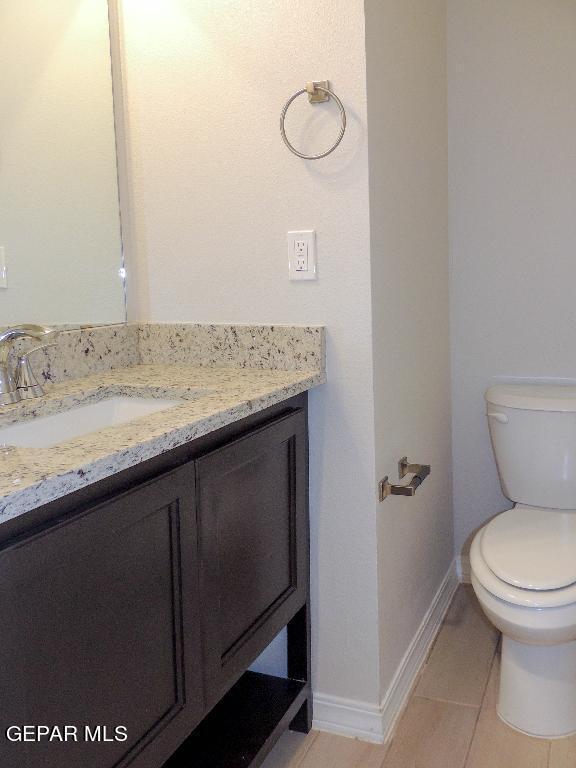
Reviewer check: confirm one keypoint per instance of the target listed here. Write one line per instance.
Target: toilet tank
(533, 432)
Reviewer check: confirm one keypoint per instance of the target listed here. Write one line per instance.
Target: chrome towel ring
(317, 91)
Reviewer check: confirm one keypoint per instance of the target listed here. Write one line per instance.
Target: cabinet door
(253, 534)
(99, 628)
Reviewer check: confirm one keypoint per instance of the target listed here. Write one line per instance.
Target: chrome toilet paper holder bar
(421, 472)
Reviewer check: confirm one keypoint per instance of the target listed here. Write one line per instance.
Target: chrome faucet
(17, 381)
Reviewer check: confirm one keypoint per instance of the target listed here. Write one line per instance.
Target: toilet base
(538, 688)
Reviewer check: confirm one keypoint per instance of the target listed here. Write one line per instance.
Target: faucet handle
(26, 382)
(18, 382)
(26, 330)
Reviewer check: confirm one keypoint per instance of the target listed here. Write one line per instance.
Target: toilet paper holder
(421, 472)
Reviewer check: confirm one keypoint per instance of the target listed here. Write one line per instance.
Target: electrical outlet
(302, 255)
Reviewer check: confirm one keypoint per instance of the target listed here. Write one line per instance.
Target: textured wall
(513, 222)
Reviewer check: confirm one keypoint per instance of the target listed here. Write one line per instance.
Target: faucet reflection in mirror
(17, 381)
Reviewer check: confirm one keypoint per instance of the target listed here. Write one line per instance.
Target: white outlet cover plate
(307, 236)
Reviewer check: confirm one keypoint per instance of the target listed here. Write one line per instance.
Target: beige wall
(215, 191)
(513, 218)
(407, 115)
(59, 220)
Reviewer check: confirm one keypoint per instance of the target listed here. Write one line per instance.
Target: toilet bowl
(523, 562)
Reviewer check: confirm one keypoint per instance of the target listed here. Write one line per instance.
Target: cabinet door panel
(252, 516)
(100, 629)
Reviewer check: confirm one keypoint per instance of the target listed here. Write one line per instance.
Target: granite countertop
(211, 398)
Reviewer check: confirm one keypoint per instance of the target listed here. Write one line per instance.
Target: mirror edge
(122, 148)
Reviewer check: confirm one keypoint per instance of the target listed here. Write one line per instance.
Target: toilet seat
(528, 598)
(532, 548)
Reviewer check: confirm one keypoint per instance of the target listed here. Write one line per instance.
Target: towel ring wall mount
(318, 91)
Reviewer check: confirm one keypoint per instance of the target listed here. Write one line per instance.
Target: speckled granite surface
(82, 351)
(274, 347)
(211, 398)
(79, 352)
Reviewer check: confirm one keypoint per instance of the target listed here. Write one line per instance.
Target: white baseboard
(348, 717)
(397, 695)
(463, 568)
(370, 722)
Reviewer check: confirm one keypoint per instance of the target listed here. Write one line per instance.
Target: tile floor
(450, 720)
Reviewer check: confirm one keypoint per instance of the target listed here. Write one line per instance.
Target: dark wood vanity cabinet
(101, 626)
(143, 607)
(251, 506)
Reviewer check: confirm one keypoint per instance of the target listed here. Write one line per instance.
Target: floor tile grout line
(468, 751)
(549, 757)
(386, 746)
(360, 761)
(384, 757)
(307, 749)
(449, 701)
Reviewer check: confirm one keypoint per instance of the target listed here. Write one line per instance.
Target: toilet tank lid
(533, 397)
(532, 548)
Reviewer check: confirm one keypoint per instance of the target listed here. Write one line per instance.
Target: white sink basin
(47, 431)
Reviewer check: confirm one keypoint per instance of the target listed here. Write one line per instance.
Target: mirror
(60, 229)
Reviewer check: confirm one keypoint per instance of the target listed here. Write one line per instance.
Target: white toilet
(523, 562)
